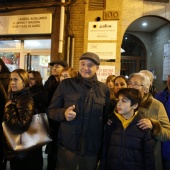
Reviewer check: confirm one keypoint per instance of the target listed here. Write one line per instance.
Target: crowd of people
(121, 124)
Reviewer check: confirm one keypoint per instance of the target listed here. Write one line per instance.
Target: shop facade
(85, 25)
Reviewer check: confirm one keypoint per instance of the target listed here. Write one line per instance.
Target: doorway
(133, 56)
(154, 33)
(27, 54)
(37, 62)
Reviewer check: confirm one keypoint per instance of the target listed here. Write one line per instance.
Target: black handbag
(37, 135)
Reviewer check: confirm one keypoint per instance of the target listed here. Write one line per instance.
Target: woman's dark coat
(18, 117)
(2, 105)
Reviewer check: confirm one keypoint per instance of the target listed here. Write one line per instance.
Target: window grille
(97, 4)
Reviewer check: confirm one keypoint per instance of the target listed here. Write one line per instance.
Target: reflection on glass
(37, 44)
(12, 60)
(10, 44)
(38, 63)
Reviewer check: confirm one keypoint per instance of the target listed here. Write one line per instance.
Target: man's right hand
(70, 114)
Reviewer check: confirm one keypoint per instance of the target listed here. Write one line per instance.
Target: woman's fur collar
(146, 101)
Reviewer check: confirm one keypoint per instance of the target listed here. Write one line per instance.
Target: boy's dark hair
(134, 95)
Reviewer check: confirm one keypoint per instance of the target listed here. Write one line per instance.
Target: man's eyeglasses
(135, 85)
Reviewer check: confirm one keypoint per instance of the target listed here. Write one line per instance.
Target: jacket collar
(91, 82)
(139, 115)
(23, 91)
(146, 100)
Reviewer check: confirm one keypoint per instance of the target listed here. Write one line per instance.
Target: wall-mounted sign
(103, 30)
(26, 24)
(110, 15)
(166, 62)
(104, 71)
(103, 50)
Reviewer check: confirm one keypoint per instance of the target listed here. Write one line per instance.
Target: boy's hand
(145, 124)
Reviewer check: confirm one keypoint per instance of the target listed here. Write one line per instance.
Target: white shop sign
(103, 30)
(105, 51)
(166, 62)
(26, 24)
(104, 72)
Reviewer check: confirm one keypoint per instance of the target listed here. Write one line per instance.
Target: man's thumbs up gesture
(70, 114)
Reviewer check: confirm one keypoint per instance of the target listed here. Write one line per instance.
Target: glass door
(38, 62)
(30, 54)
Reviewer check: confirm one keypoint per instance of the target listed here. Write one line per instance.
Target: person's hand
(70, 114)
(109, 122)
(145, 124)
(9, 102)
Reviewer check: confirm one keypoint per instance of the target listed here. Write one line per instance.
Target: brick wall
(55, 34)
(77, 28)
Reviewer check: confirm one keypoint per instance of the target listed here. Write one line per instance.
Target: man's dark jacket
(82, 135)
(51, 85)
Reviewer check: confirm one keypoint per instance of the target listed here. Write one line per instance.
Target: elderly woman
(152, 88)
(155, 115)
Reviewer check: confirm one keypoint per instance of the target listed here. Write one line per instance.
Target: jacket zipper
(122, 149)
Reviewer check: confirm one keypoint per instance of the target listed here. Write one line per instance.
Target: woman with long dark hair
(4, 75)
(3, 98)
(37, 89)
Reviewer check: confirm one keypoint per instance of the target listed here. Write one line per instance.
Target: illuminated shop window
(37, 44)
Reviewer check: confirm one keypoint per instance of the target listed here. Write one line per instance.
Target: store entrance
(27, 54)
(38, 62)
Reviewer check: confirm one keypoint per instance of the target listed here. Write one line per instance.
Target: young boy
(126, 147)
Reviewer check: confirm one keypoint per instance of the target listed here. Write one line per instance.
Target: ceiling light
(122, 50)
(144, 24)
